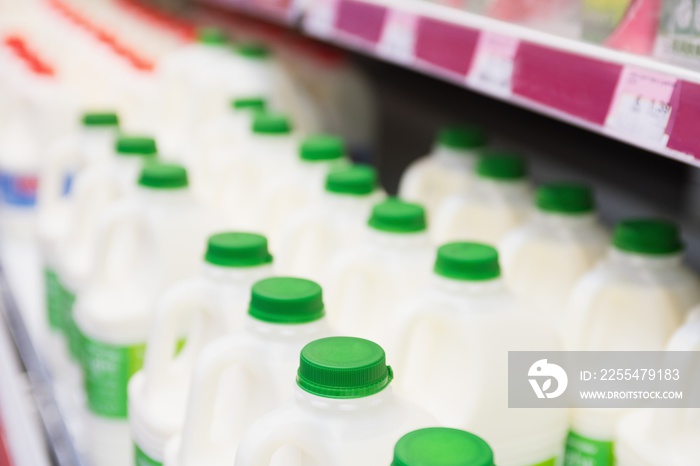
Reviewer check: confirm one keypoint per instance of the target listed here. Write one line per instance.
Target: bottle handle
(404, 325)
(184, 300)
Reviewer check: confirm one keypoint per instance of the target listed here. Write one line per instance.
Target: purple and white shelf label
(492, 69)
(320, 18)
(642, 106)
(398, 38)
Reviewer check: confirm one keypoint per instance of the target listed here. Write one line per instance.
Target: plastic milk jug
(498, 199)
(367, 280)
(452, 345)
(242, 376)
(446, 170)
(308, 241)
(201, 309)
(302, 183)
(633, 300)
(543, 259)
(269, 152)
(660, 437)
(442, 446)
(344, 412)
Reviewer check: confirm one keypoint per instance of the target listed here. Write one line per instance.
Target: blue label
(18, 190)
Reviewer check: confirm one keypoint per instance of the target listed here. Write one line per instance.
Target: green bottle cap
(442, 446)
(233, 249)
(211, 36)
(271, 124)
(501, 166)
(467, 261)
(343, 367)
(565, 198)
(100, 119)
(396, 216)
(356, 180)
(253, 51)
(321, 148)
(163, 176)
(286, 300)
(136, 145)
(647, 236)
(249, 103)
(462, 137)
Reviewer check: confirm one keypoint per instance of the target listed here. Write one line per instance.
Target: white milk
(217, 139)
(202, 309)
(367, 280)
(452, 344)
(302, 184)
(446, 170)
(344, 412)
(240, 377)
(544, 258)
(442, 446)
(270, 151)
(633, 300)
(307, 242)
(145, 243)
(498, 199)
(663, 437)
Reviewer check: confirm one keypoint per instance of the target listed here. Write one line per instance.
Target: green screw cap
(501, 166)
(647, 236)
(100, 119)
(271, 124)
(211, 36)
(467, 261)
(357, 180)
(565, 198)
(249, 103)
(343, 367)
(442, 446)
(136, 145)
(233, 249)
(163, 176)
(462, 137)
(396, 216)
(253, 51)
(286, 300)
(321, 148)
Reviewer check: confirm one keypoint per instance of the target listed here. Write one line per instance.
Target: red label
(446, 46)
(361, 20)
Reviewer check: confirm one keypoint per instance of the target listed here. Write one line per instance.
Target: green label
(54, 298)
(71, 330)
(584, 451)
(107, 372)
(142, 459)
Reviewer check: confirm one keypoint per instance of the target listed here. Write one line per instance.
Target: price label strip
(492, 68)
(398, 37)
(642, 106)
(320, 18)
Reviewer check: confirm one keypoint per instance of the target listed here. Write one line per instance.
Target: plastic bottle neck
(272, 145)
(286, 332)
(508, 188)
(350, 405)
(631, 260)
(398, 241)
(467, 287)
(236, 275)
(564, 221)
(453, 158)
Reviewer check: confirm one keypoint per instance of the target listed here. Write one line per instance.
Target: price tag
(642, 105)
(398, 37)
(320, 18)
(492, 69)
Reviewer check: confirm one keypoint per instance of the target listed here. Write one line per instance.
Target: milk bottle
(543, 259)
(302, 184)
(446, 170)
(240, 377)
(344, 412)
(209, 305)
(270, 151)
(442, 446)
(452, 344)
(308, 241)
(663, 436)
(497, 200)
(366, 280)
(633, 300)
